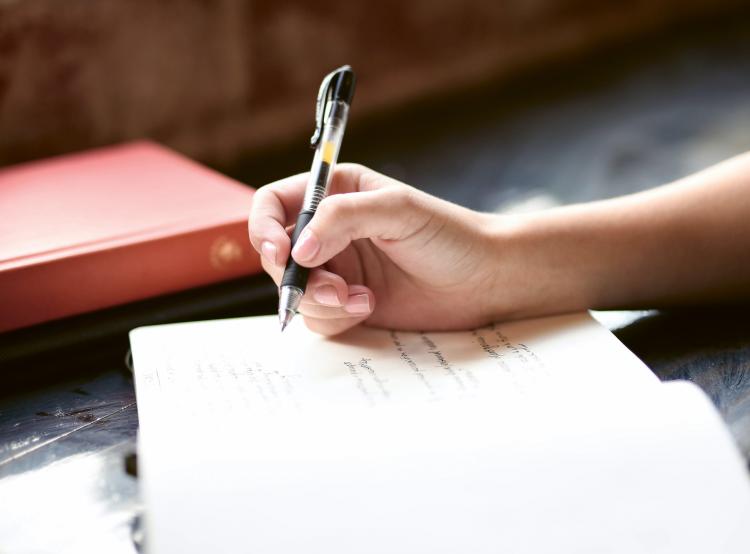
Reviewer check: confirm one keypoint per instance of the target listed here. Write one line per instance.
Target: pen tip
(285, 316)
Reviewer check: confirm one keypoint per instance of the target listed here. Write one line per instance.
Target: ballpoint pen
(331, 112)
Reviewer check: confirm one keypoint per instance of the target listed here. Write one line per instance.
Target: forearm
(687, 242)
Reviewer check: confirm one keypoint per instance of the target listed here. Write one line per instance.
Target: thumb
(392, 213)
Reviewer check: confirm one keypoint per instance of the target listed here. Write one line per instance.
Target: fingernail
(268, 249)
(326, 295)
(358, 304)
(307, 246)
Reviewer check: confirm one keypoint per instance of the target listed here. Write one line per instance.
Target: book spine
(109, 277)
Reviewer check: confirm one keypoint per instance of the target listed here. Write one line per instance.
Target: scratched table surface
(624, 122)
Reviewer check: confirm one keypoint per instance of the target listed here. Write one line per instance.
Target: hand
(384, 253)
(397, 257)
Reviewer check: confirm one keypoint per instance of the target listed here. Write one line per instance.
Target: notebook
(535, 436)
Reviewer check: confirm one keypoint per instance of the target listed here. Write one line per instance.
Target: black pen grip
(295, 275)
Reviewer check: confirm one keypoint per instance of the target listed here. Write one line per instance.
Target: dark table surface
(622, 122)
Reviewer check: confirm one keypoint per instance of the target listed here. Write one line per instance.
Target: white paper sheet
(245, 365)
(536, 436)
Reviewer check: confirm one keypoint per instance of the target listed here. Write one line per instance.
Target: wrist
(543, 264)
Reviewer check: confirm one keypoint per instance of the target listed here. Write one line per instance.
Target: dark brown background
(219, 80)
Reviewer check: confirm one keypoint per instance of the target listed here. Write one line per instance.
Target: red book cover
(88, 231)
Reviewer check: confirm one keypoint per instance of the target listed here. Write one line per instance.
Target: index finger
(274, 207)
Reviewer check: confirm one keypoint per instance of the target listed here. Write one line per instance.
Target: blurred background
(504, 105)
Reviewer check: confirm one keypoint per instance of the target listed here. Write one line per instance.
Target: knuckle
(337, 206)
(369, 179)
(401, 196)
(258, 217)
(261, 197)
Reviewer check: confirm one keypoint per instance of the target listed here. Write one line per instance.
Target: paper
(536, 436)
(245, 365)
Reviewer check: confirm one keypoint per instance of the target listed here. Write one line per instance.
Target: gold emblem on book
(224, 251)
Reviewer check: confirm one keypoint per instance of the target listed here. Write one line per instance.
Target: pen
(331, 111)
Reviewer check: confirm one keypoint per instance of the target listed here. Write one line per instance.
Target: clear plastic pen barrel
(326, 154)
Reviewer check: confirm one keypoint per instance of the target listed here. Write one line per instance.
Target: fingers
(272, 209)
(332, 321)
(389, 213)
(357, 302)
(330, 306)
(276, 205)
(323, 287)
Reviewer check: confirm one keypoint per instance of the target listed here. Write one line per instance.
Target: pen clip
(324, 94)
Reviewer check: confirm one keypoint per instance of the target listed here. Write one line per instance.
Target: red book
(93, 230)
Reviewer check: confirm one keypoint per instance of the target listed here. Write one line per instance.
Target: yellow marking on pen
(328, 149)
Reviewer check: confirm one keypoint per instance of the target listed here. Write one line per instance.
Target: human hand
(400, 258)
(384, 252)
